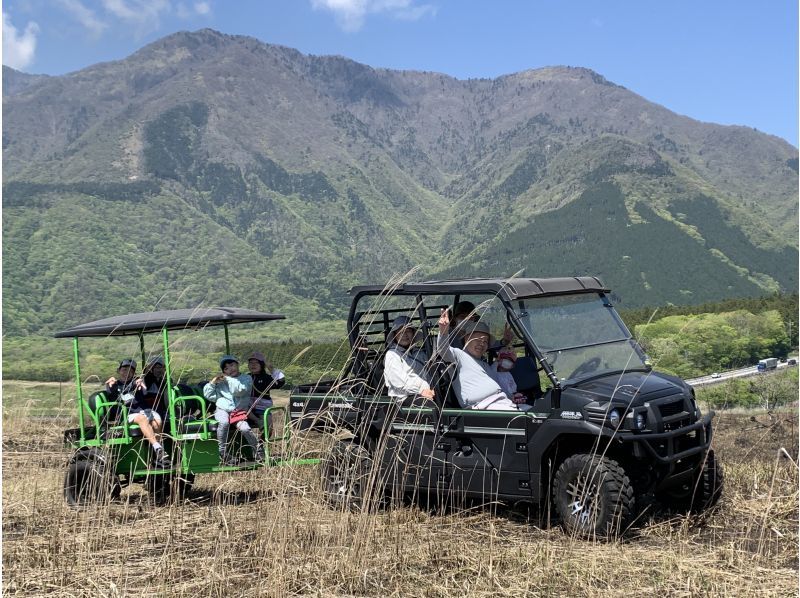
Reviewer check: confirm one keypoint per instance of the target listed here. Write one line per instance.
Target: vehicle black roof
(506, 288)
(172, 319)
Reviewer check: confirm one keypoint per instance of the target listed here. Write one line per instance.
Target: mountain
(218, 169)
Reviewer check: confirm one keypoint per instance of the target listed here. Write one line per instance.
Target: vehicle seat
(375, 380)
(105, 415)
(527, 377)
(189, 415)
(443, 378)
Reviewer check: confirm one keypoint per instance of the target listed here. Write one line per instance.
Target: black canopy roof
(173, 319)
(507, 288)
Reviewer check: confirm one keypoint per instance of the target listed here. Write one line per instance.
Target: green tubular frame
(174, 400)
(77, 359)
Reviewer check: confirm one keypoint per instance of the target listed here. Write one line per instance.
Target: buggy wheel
(163, 488)
(89, 480)
(593, 496)
(345, 476)
(700, 494)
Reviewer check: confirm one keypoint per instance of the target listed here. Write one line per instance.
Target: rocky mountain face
(214, 168)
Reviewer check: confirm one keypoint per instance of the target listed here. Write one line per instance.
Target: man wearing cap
(404, 367)
(231, 393)
(474, 384)
(130, 391)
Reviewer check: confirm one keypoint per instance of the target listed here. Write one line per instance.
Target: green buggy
(111, 453)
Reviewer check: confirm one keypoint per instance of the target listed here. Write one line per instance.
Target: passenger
(265, 378)
(231, 393)
(156, 391)
(506, 359)
(475, 384)
(130, 391)
(404, 367)
(465, 311)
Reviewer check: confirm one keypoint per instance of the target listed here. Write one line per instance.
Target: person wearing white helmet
(404, 366)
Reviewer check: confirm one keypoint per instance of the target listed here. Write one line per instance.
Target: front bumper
(669, 448)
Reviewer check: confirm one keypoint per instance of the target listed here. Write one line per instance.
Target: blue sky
(730, 62)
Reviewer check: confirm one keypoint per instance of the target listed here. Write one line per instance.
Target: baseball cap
(155, 360)
(127, 363)
(225, 359)
(257, 355)
(470, 327)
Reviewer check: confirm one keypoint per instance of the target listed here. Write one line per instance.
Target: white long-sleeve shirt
(404, 371)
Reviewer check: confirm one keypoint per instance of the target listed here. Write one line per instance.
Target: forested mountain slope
(218, 169)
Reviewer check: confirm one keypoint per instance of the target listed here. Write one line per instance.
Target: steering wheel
(587, 367)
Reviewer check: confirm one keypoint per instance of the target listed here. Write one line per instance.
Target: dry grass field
(269, 533)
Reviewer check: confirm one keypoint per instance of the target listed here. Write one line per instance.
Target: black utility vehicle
(603, 431)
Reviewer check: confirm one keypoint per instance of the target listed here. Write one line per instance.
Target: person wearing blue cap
(231, 393)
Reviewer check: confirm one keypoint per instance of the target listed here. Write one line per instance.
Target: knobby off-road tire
(702, 493)
(89, 480)
(593, 496)
(345, 475)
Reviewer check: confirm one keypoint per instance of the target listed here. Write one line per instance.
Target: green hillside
(647, 261)
(212, 169)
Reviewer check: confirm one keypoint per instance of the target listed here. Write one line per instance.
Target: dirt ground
(269, 532)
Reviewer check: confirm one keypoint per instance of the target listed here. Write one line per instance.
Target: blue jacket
(231, 393)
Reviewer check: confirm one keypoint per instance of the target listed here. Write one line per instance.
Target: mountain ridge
(336, 173)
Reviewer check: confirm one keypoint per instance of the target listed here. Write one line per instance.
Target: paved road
(725, 376)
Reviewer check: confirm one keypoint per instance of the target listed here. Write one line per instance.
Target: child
(231, 393)
(506, 359)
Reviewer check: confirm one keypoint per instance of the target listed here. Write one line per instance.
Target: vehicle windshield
(580, 335)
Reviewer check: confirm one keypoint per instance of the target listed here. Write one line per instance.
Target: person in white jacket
(404, 367)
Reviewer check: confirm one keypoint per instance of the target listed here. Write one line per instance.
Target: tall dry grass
(269, 532)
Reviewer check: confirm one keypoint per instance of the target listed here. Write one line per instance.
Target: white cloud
(146, 14)
(18, 48)
(202, 8)
(350, 14)
(84, 15)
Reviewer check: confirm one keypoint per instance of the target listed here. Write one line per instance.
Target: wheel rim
(342, 480)
(582, 500)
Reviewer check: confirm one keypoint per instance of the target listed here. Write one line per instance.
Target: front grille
(676, 425)
(669, 409)
(596, 415)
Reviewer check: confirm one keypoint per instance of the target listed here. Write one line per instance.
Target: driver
(404, 366)
(475, 384)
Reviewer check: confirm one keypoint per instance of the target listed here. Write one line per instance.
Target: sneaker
(162, 459)
(260, 455)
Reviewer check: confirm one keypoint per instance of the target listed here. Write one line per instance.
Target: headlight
(613, 418)
(640, 421)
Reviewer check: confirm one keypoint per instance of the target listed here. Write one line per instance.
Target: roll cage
(139, 324)
(365, 325)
